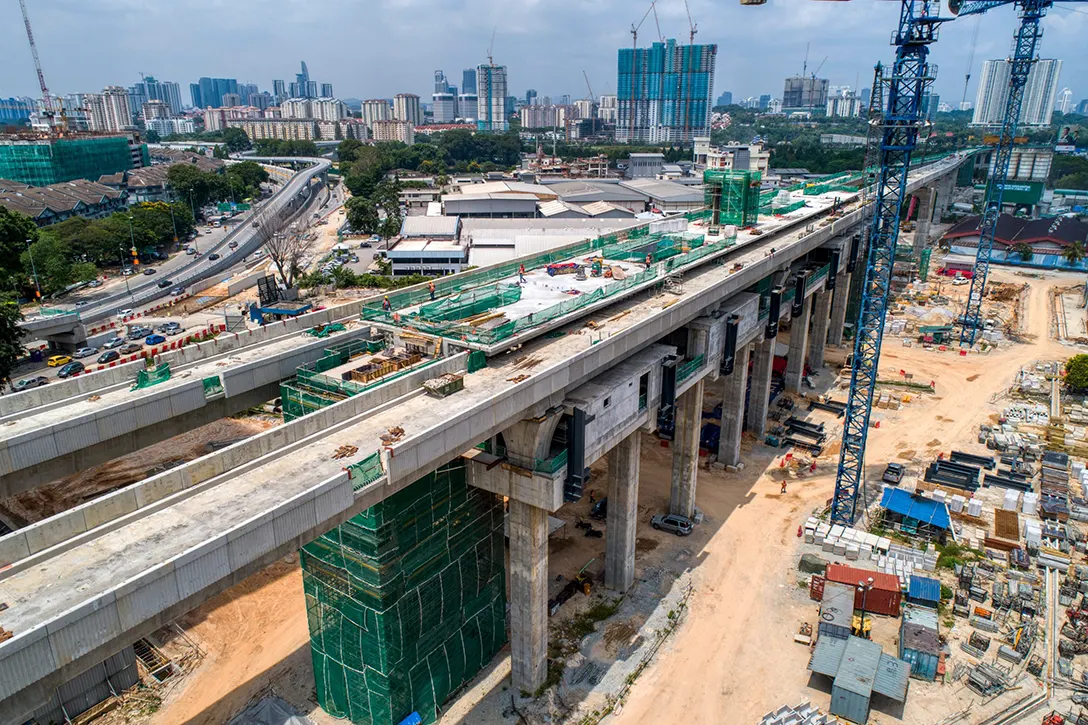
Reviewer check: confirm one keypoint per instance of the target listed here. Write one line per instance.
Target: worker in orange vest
(783, 486)
(386, 304)
(521, 274)
(430, 288)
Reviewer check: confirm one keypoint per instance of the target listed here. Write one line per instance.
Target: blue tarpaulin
(913, 506)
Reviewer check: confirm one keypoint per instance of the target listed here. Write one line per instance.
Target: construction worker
(649, 260)
(386, 304)
(430, 288)
(521, 274)
(783, 486)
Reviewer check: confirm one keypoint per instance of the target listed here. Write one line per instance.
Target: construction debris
(517, 378)
(393, 435)
(345, 451)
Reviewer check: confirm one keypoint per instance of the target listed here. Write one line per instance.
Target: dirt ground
(46, 501)
(732, 658)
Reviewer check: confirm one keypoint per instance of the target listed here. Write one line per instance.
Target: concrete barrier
(73, 527)
(60, 390)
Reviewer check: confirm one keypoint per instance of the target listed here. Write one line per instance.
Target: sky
(377, 48)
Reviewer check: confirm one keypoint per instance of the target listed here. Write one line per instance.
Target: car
(170, 328)
(72, 368)
(124, 312)
(353, 258)
(155, 339)
(679, 525)
(95, 283)
(233, 245)
(108, 356)
(28, 383)
(599, 511)
(130, 348)
(190, 251)
(149, 270)
(375, 237)
(959, 281)
(57, 360)
(893, 473)
(164, 283)
(258, 254)
(213, 257)
(84, 352)
(128, 271)
(365, 245)
(82, 303)
(177, 291)
(138, 333)
(113, 342)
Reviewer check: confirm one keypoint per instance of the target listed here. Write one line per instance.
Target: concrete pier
(759, 399)
(685, 450)
(623, 471)
(735, 386)
(821, 318)
(528, 595)
(795, 362)
(925, 215)
(838, 309)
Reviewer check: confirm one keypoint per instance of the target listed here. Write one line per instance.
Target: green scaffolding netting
(468, 304)
(325, 330)
(212, 386)
(147, 378)
(406, 601)
(732, 196)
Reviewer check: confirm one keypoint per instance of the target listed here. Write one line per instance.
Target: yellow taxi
(57, 360)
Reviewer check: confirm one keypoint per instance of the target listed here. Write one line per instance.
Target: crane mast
(47, 101)
(903, 88)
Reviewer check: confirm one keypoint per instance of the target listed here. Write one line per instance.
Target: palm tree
(1024, 250)
(1074, 252)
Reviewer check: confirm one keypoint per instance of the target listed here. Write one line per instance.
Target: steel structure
(902, 88)
(1027, 37)
(46, 99)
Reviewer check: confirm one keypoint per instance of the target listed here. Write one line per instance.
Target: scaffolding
(406, 602)
(733, 197)
(40, 162)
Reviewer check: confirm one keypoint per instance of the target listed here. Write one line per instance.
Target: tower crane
(1027, 37)
(592, 98)
(47, 100)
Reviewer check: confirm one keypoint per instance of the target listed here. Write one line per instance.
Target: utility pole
(34, 271)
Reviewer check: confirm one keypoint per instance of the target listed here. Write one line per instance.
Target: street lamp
(34, 270)
(863, 589)
(121, 251)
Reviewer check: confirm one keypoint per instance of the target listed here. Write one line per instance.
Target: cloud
(376, 48)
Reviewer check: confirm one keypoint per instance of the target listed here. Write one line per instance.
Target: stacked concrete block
(802, 714)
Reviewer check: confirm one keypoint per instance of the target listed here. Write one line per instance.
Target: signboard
(1019, 192)
(230, 206)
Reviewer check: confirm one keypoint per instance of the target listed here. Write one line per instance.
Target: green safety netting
(406, 602)
(477, 360)
(212, 386)
(468, 304)
(366, 471)
(686, 369)
(733, 195)
(815, 277)
(310, 390)
(325, 330)
(147, 378)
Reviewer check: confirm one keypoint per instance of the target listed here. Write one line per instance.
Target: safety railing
(688, 368)
(815, 277)
(366, 471)
(213, 386)
(551, 465)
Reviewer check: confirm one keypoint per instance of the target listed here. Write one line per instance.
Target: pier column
(821, 311)
(795, 363)
(735, 386)
(623, 471)
(528, 595)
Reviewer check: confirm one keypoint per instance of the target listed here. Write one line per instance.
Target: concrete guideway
(136, 574)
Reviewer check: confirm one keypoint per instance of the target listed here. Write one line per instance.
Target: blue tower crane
(903, 88)
(1027, 37)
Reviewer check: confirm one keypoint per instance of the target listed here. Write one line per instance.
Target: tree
(287, 250)
(15, 229)
(221, 152)
(1076, 372)
(387, 198)
(1024, 250)
(204, 187)
(236, 140)
(48, 260)
(10, 335)
(247, 178)
(348, 149)
(1074, 252)
(152, 136)
(362, 215)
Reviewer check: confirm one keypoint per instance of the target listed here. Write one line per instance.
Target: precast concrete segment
(759, 398)
(795, 362)
(735, 387)
(821, 318)
(685, 451)
(619, 553)
(490, 402)
(925, 215)
(838, 310)
(528, 596)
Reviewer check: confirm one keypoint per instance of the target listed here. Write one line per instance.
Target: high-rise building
(110, 111)
(930, 103)
(665, 92)
(302, 83)
(467, 104)
(279, 90)
(444, 107)
(391, 130)
(406, 108)
(150, 89)
(441, 85)
(15, 111)
(530, 97)
(805, 93)
(864, 96)
(1082, 107)
(842, 105)
(1065, 101)
(212, 91)
(491, 97)
(260, 100)
(1039, 93)
(564, 100)
(608, 109)
(51, 160)
(511, 106)
(764, 101)
(725, 99)
(231, 99)
(585, 108)
(468, 81)
(194, 95)
(376, 109)
(326, 90)
(154, 109)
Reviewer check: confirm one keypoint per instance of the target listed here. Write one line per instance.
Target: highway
(113, 584)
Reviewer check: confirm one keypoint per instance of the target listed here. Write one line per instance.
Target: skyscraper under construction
(665, 92)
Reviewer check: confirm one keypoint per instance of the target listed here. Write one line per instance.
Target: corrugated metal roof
(827, 655)
(666, 190)
(850, 575)
(924, 589)
(915, 506)
(429, 226)
(858, 667)
(837, 608)
(924, 616)
(554, 207)
(916, 637)
(892, 677)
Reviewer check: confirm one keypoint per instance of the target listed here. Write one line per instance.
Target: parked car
(124, 312)
(138, 333)
(599, 510)
(72, 368)
(109, 356)
(149, 270)
(57, 360)
(893, 473)
(679, 525)
(177, 291)
(155, 339)
(365, 245)
(130, 348)
(95, 283)
(113, 342)
(190, 251)
(127, 271)
(212, 257)
(84, 352)
(170, 328)
(164, 283)
(28, 383)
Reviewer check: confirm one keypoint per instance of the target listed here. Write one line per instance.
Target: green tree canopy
(15, 229)
(236, 140)
(1076, 372)
(11, 349)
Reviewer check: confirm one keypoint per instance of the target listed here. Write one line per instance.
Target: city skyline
(77, 59)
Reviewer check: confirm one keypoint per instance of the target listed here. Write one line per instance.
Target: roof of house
(540, 191)
(603, 207)
(1012, 230)
(916, 506)
(64, 197)
(665, 190)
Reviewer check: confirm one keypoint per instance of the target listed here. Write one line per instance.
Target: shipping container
(853, 686)
(924, 590)
(920, 647)
(884, 598)
(836, 610)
